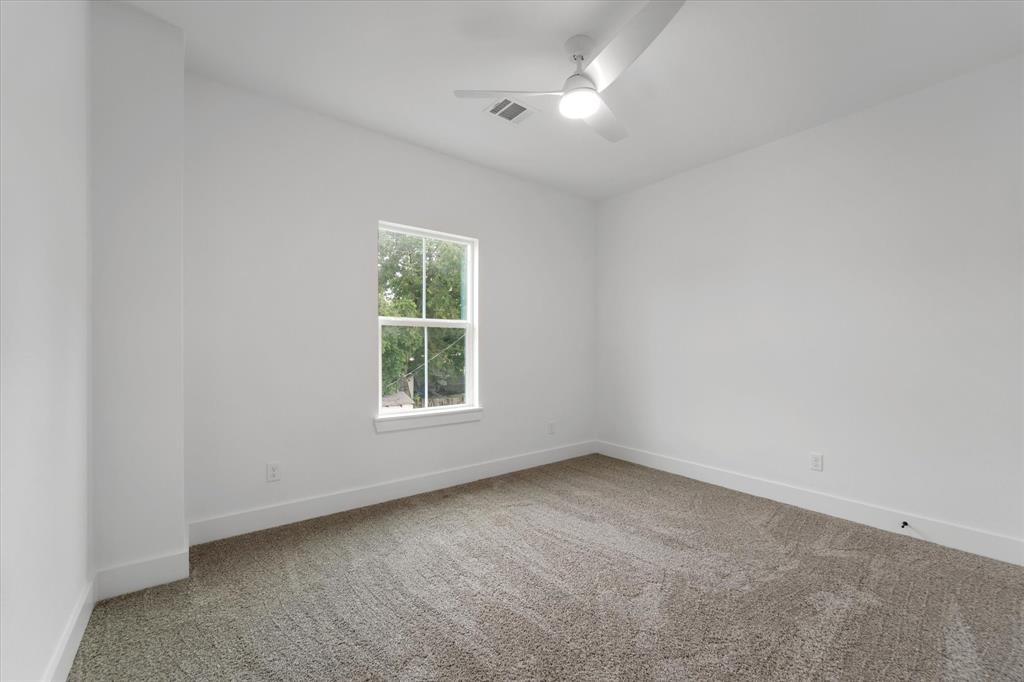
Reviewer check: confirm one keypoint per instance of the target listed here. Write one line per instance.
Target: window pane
(446, 350)
(446, 280)
(402, 371)
(399, 274)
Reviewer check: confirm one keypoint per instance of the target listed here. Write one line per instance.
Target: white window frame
(446, 414)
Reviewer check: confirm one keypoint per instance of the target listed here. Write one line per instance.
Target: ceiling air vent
(509, 110)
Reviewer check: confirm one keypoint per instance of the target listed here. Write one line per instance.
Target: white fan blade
(631, 42)
(490, 94)
(605, 124)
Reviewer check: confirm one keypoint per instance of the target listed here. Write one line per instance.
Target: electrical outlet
(551, 428)
(817, 461)
(273, 472)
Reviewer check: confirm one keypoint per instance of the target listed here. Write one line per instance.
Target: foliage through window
(426, 319)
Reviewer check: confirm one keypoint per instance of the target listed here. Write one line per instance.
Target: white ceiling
(723, 77)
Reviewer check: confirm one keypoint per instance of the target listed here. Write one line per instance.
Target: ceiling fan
(580, 98)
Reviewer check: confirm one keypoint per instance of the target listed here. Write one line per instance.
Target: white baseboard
(239, 523)
(139, 575)
(985, 543)
(64, 653)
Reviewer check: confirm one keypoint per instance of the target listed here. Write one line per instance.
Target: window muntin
(426, 320)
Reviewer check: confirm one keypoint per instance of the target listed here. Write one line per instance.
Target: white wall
(138, 431)
(281, 221)
(44, 327)
(854, 290)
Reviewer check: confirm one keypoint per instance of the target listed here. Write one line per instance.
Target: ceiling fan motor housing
(580, 99)
(576, 82)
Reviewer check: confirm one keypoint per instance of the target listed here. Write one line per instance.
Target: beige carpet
(588, 569)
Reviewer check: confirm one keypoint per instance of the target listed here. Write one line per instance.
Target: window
(426, 307)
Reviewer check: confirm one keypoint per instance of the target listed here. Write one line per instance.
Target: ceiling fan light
(579, 103)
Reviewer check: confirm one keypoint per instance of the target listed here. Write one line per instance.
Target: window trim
(470, 410)
(426, 417)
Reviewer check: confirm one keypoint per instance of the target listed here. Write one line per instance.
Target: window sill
(422, 420)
